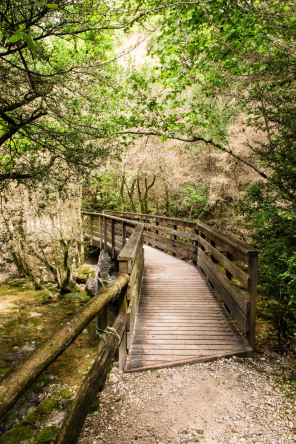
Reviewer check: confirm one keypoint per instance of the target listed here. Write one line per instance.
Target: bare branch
(193, 139)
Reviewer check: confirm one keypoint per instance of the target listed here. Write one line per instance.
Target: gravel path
(226, 401)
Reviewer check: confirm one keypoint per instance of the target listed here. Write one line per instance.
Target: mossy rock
(47, 435)
(43, 296)
(11, 289)
(26, 429)
(14, 282)
(82, 296)
(42, 411)
(84, 272)
(19, 433)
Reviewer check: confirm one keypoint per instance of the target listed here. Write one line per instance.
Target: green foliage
(103, 194)
(47, 435)
(57, 86)
(195, 195)
(191, 201)
(274, 233)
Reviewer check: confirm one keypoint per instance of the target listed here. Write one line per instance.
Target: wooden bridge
(171, 312)
(179, 312)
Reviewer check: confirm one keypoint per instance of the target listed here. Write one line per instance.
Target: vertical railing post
(102, 326)
(123, 234)
(196, 245)
(253, 273)
(156, 223)
(213, 243)
(105, 232)
(81, 246)
(230, 257)
(123, 268)
(91, 229)
(175, 227)
(112, 239)
(101, 231)
(203, 236)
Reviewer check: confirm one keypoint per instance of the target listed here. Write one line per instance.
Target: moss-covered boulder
(28, 427)
(84, 272)
(47, 435)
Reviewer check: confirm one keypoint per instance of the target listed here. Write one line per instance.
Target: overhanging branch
(20, 176)
(14, 129)
(193, 139)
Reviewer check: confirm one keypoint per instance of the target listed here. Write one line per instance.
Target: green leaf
(15, 38)
(28, 39)
(52, 5)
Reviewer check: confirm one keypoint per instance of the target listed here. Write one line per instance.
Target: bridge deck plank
(179, 318)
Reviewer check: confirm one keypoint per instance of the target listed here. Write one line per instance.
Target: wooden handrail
(229, 265)
(19, 378)
(153, 217)
(128, 254)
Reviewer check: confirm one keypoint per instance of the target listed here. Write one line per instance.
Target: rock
(112, 379)
(84, 272)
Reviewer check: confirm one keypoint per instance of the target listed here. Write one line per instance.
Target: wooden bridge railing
(229, 265)
(131, 261)
(124, 239)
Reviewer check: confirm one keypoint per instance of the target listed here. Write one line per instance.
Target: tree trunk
(17, 380)
(91, 385)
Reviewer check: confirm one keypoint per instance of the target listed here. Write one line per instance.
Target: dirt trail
(227, 401)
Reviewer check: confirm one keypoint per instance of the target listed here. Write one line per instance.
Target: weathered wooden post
(196, 245)
(101, 230)
(102, 326)
(175, 227)
(252, 290)
(123, 234)
(213, 259)
(105, 232)
(81, 246)
(230, 257)
(112, 239)
(91, 221)
(156, 223)
(123, 268)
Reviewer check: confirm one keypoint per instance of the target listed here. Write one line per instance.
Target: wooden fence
(229, 265)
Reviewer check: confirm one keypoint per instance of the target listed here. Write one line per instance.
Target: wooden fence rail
(21, 377)
(229, 265)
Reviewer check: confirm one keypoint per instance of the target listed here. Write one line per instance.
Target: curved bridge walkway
(178, 312)
(179, 319)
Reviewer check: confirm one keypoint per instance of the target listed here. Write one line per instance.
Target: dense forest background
(184, 109)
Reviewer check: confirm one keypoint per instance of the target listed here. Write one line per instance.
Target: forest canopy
(69, 109)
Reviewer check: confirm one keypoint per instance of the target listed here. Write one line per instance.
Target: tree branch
(15, 128)
(21, 103)
(193, 139)
(19, 176)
